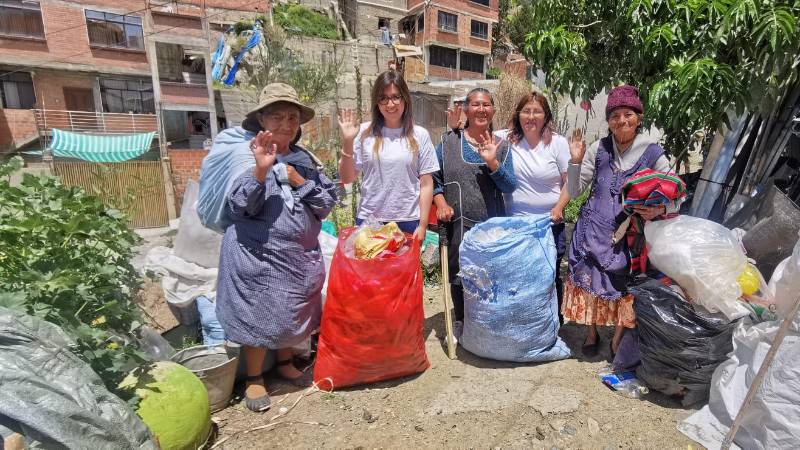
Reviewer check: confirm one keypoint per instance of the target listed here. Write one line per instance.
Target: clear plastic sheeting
(680, 344)
(772, 420)
(703, 257)
(510, 306)
(195, 243)
(327, 245)
(785, 283)
(53, 398)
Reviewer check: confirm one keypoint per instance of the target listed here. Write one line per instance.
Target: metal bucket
(216, 367)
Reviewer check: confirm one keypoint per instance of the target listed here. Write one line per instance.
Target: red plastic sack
(372, 324)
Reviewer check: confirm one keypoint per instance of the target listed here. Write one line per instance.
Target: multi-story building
(110, 66)
(114, 67)
(455, 35)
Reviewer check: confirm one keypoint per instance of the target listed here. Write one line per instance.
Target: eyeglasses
(384, 100)
(532, 112)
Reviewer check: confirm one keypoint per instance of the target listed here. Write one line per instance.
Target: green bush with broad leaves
(693, 61)
(65, 257)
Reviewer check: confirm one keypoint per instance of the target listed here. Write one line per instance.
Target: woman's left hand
(557, 215)
(295, 179)
(649, 212)
(419, 233)
(487, 147)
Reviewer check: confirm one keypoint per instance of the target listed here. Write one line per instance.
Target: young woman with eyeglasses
(395, 157)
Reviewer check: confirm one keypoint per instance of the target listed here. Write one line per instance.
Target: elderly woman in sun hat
(595, 292)
(271, 271)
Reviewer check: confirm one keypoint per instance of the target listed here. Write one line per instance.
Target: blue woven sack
(510, 305)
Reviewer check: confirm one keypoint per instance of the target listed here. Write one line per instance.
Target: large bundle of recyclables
(772, 419)
(708, 262)
(510, 305)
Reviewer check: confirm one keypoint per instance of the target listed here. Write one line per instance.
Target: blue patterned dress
(271, 271)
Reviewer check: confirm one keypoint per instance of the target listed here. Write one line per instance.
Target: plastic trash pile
(708, 262)
(686, 320)
(773, 417)
(375, 241)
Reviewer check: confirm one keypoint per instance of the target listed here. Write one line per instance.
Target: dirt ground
(465, 403)
(469, 402)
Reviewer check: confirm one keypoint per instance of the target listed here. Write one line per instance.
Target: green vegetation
(573, 208)
(493, 73)
(693, 61)
(65, 258)
(301, 20)
(315, 82)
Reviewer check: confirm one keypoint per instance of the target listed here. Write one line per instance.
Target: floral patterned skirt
(586, 309)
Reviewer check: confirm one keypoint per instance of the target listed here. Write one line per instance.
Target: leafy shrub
(573, 208)
(299, 19)
(65, 257)
(493, 73)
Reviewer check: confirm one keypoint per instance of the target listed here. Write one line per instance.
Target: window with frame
(481, 2)
(16, 91)
(479, 29)
(21, 18)
(443, 56)
(127, 96)
(472, 62)
(448, 22)
(114, 30)
(421, 22)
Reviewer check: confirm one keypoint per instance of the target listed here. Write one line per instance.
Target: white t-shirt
(390, 187)
(538, 173)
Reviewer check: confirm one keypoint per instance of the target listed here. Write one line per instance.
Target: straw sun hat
(271, 94)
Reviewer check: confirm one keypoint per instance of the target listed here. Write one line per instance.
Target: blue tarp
(252, 42)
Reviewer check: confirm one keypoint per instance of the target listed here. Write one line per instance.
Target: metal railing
(91, 122)
(94, 122)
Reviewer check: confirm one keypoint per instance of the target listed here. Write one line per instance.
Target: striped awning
(100, 148)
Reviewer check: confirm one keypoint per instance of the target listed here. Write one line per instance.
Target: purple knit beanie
(625, 95)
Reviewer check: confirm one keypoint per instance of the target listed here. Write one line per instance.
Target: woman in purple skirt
(595, 292)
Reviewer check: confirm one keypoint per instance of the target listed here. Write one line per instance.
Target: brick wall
(17, 126)
(184, 94)
(463, 37)
(185, 165)
(452, 74)
(513, 64)
(49, 87)
(175, 24)
(67, 41)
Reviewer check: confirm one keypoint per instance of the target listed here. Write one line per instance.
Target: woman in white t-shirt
(540, 158)
(395, 156)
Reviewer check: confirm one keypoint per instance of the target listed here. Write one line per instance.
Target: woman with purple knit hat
(595, 292)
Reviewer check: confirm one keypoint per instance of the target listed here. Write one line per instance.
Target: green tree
(692, 60)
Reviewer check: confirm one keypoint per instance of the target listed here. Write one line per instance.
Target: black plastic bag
(680, 344)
